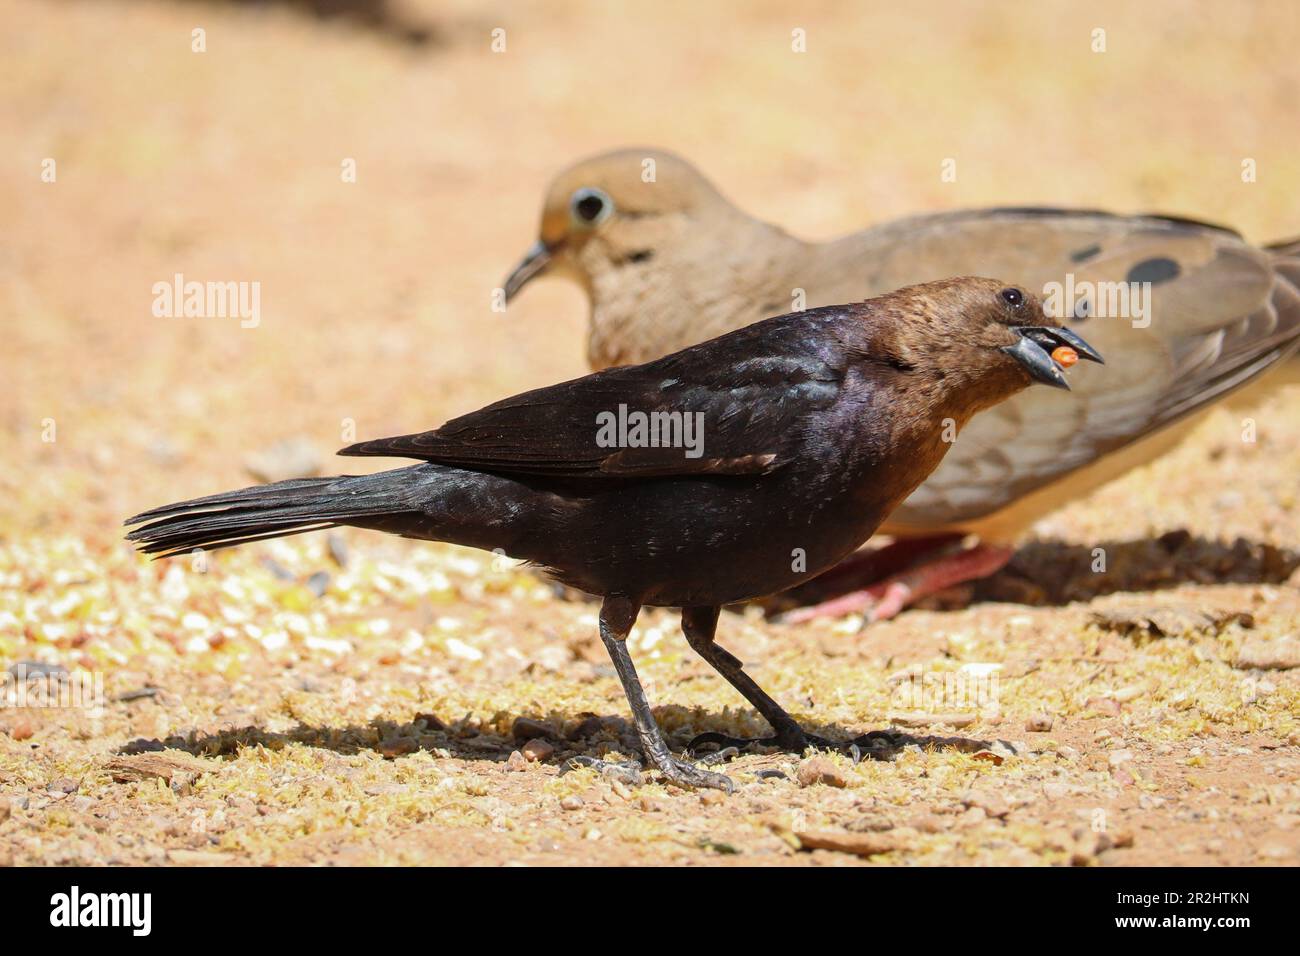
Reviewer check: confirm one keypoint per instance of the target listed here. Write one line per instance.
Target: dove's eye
(590, 207)
(1013, 297)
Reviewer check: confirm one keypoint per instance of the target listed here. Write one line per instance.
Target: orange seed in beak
(1064, 356)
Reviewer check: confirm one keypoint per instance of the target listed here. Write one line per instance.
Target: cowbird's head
(616, 211)
(972, 342)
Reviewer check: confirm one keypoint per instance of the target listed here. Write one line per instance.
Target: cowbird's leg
(886, 598)
(617, 615)
(700, 624)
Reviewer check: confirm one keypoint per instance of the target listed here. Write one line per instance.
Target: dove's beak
(533, 264)
(1034, 352)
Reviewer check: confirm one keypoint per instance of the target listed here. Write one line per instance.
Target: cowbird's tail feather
(276, 510)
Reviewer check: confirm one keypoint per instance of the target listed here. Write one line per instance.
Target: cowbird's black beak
(535, 260)
(1034, 352)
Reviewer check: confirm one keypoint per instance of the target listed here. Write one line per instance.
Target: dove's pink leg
(886, 598)
(877, 564)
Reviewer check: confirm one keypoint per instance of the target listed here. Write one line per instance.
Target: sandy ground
(361, 701)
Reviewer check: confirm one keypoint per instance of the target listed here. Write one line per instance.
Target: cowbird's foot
(876, 745)
(717, 757)
(885, 599)
(627, 771)
(688, 775)
(680, 772)
(617, 614)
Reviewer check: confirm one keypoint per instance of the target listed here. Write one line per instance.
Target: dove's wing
(1217, 312)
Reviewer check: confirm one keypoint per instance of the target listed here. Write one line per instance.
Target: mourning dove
(1186, 312)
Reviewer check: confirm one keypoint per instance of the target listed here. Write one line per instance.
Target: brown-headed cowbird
(667, 261)
(728, 471)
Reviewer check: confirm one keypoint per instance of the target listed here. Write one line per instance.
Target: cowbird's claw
(627, 771)
(876, 745)
(680, 772)
(729, 746)
(688, 775)
(718, 756)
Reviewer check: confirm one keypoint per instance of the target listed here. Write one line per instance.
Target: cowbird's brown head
(616, 211)
(972, 341)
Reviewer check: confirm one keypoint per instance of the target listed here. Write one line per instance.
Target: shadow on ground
(586, 735)
(381, 17)
(1054, 573)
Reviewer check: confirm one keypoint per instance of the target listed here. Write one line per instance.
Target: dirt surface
(362, 699)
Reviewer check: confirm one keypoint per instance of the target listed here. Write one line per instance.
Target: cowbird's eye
(1013, 297)
(590, 207)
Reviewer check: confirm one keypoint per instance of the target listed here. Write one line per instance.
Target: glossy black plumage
(810, 429)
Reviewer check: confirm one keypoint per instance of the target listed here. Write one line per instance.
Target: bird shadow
(1050, 572)
(568, 735)
(382, 18)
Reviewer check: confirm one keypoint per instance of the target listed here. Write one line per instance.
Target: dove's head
(619, 210)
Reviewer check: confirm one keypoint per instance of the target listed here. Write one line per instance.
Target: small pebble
(538, 750)
(398, 747)
(973, 816)
(1282, 653)
(816, 770)
(1119, 757)
(1039, 723)
(516, 761)
(1103, 706)
(620, 788)
(859, 844)
(571, 802)
(931, 823)
(991, 803)
(526, 729)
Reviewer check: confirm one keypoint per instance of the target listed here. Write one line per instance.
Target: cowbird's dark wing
(733, 406)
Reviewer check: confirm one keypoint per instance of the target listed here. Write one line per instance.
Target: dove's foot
(886, 598)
